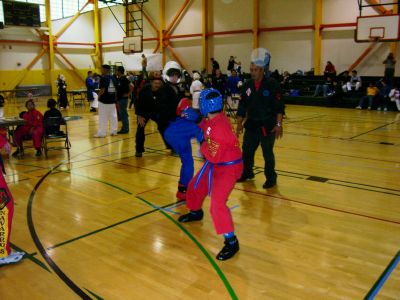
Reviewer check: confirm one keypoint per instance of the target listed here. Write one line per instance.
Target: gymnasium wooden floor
(104, 225)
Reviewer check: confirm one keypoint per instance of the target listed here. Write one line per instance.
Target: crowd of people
(187, 108)
(377, 94)
(184, 108)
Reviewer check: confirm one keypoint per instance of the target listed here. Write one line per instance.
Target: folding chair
(53, 134)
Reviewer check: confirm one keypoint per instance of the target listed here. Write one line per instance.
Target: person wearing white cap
(62, 92)
(263, 109)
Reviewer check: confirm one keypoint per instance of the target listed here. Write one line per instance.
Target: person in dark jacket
(52, 112)
(219, 82)
(263, 108)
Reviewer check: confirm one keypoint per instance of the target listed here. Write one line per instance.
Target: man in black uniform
(158, 101)
(262, 107)
(148, 107)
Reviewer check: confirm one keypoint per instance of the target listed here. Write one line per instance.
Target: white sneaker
(97, 135)
(114, 133)
(369, 107)
(378, 108)
(13, 258)
(385, 109)
(358, 107)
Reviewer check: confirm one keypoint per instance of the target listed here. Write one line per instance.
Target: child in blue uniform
(179, 134)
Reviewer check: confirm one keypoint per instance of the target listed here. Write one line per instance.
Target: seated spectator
(195, 88)
(330, 70)
(232, 89)
(232, 84)
(354, 83)
(372, 91)
(53, 112)
(326, 87)
(383, 95)
(33, 128)
(335, 93)
(275, 75)
(343, 77)
(394, 96)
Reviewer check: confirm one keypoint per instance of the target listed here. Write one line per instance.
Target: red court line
(321, 206)
(282, 198)
(153, 189)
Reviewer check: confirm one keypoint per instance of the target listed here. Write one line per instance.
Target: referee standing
(261, 110)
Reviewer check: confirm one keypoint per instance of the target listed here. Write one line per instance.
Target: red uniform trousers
(22, 131)
(222, 183)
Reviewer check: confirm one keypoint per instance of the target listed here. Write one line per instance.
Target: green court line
(201, 247)
(94, 295)
(31, 257)
(197, 243)
(106, 227)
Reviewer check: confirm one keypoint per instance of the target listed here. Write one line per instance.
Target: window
(60, 9)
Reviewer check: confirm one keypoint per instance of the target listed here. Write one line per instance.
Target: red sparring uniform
(6, 210)
(218, 176)
(34, 122)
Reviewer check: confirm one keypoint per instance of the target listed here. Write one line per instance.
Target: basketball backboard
(384, 28)
(132, 44)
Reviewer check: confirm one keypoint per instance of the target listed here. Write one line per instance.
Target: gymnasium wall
(291, 50)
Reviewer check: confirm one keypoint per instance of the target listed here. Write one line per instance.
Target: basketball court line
(107, 227)
(335, 138)
(79, 292)
(203, 250)
(306, 119)
(62, 275)
(75, 288)
(31, 257)
(321, 206)
(383, 278)
(373, 129)
(337, 154)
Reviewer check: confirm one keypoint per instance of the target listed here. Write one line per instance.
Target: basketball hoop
(132, 44)
(382, 28)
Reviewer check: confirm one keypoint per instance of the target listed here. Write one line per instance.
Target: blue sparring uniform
(179, 134)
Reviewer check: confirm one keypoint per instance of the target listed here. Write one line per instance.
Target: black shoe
(230, 249)
(93, 109)
(38, 152)
(123, 131)
(192, 216)
(243, 178)
(18, 153)
(139, 154)
(269, 184)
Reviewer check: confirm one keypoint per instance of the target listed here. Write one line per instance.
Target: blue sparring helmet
(210, 101)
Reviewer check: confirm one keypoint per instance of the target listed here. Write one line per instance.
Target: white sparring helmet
(260, 57)
(169, 68)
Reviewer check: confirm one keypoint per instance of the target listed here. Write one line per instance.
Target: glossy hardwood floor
(104, 224)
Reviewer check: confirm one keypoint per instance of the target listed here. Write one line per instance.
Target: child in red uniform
(219, 173)
(33, 127)
(6, 213)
